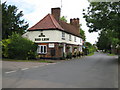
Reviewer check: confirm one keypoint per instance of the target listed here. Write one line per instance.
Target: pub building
(55, 37)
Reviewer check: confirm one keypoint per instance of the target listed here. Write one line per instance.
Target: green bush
(60, 46)
(5, 44)
(63, 57)
(20, 48)
(74, 54)
(68, 47)
(75, 47)
(69, 55)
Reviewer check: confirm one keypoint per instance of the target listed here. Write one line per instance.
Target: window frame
(80, 40)
(70, 37)
(74, 38)
(63, 35)
(44, 51)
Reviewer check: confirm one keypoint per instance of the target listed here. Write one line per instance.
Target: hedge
(19, 47)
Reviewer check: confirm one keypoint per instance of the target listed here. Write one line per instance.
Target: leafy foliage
(89, 48)
(11, 21)
(19, 47)
(63, 18)
(69, 55)
(107, 40)
(104, 16)
(82, 34)
(5, 44)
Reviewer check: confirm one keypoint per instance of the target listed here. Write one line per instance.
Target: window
(75, 39)
(69, 37)
(80, 40)
(63, 35)
(42, 49)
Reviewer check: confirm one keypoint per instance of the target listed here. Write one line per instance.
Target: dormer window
(63, 35)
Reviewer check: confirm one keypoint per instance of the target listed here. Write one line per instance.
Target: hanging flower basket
(75, 47)
(68, 47)
(60, 46)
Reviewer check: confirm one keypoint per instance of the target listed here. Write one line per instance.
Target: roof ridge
(68, 23)
(53, 21)
(68, 28)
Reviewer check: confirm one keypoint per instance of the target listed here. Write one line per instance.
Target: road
(97, 71)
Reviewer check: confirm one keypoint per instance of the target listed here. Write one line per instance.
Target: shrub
(68, 47)
(5, 44)
(21, 48)
(75, 54)
(75, 47)
(60, 46)
(81, 53)
(63, 57)
(69, 55)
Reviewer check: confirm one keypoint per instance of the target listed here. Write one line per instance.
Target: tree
(82, 34)
(104, 17)
(63, 18)
(89, 48)
(11, 21)
(106, 40)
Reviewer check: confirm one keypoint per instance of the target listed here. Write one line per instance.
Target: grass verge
(90, 54)
(41, 61)
(111, 54)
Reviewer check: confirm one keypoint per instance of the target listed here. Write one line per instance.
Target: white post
(64, 48)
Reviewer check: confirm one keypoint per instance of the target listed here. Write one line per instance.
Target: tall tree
(104, 16)
(11, 21)
(107, 40)
(103, 41)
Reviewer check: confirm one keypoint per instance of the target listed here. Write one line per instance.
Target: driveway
(97, 71)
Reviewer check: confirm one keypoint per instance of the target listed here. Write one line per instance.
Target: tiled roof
(49, 22)
(69, 28)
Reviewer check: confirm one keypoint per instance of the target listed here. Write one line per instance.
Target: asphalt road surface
(97, 71)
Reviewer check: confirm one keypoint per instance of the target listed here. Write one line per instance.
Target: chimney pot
(75, 22)
(71, 20)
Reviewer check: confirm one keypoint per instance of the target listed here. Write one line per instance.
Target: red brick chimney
(75, 22)
(56, 13)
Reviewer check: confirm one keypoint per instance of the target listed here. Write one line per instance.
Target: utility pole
(61, 4)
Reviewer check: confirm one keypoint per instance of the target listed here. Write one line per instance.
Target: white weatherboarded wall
(53, 35)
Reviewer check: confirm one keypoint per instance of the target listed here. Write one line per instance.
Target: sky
(35, 10)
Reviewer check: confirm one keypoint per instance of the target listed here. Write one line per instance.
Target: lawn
(90, 54)
(111, 54)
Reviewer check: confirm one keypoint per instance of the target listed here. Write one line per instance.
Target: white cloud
(35, 10)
